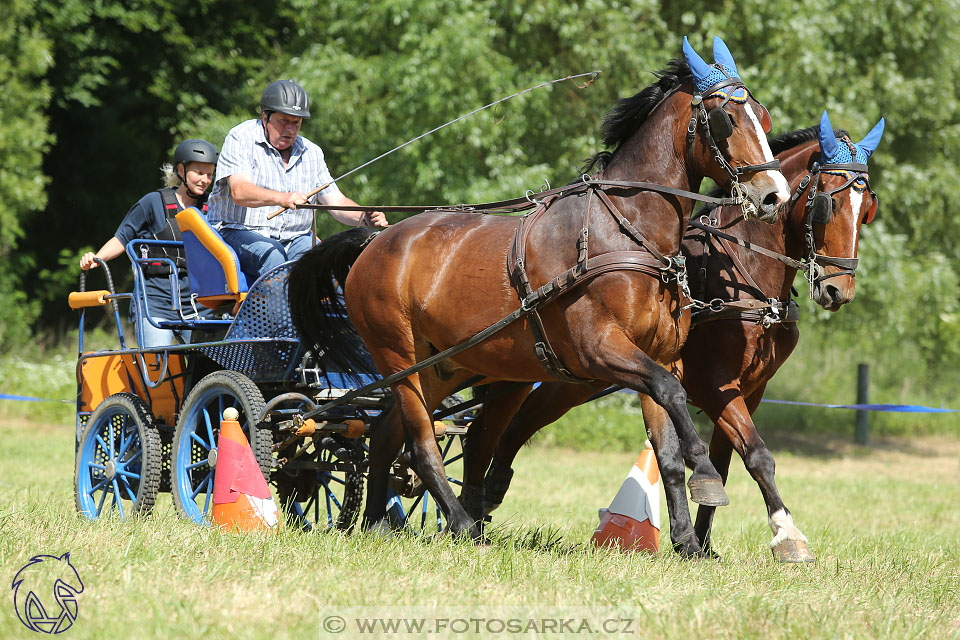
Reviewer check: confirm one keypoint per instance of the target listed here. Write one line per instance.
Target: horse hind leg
(386, 440)
(544, 406)
(418, 425)
(501, 401)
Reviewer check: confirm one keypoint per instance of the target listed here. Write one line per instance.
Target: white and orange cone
(632, 521)
(241, 497)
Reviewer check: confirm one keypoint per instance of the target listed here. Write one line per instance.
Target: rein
(530, 201)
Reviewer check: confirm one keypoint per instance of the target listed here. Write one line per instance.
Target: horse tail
(317, 304)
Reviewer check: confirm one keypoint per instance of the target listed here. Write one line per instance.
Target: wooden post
(863, 397)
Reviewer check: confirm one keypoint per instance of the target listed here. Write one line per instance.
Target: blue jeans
(259, 254)
(157, 337)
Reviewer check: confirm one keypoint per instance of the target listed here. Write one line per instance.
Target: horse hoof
(792, 551)
(708, 492)
(710, 554)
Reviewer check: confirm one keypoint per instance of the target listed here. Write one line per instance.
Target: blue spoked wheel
(322, 498)
(194, 454)
(409, 505)
(118, 460)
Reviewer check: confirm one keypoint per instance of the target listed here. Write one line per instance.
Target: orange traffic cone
(632, 521)
(241, 497)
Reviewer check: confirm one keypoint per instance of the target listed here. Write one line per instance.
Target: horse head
(727, 135)
(839, 200)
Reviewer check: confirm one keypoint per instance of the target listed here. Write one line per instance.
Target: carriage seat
(212, 265)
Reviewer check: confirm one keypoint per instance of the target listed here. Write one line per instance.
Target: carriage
(147, 419)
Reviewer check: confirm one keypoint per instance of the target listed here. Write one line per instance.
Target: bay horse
(738, 343)
(590, 276)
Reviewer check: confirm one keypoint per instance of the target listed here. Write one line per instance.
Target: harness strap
(630, 230)
(790, 262)
(759, 315)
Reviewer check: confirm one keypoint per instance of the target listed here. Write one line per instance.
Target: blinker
(721, 126)
(821, 208)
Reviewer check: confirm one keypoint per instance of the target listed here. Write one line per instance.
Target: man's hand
(374, 219)
(291, 200)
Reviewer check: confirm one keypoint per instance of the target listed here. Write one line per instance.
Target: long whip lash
(592, 74)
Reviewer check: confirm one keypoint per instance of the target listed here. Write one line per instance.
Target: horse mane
(629, 113)
(790, 139)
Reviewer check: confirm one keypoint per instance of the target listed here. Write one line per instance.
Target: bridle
(718, 125)
(819, 210)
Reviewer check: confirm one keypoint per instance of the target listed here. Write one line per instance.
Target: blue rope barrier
(9, 396)
(893, 408)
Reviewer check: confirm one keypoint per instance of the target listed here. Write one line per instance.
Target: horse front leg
(666, 446)
(618, 360)
(736, 421)
(721, 450)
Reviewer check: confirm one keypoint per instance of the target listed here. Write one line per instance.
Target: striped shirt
(246, 152)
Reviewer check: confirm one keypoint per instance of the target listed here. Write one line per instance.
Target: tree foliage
(120, 82)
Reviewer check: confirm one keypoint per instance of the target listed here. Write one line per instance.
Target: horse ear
(722, 55)
(828, 140)
(66, 557)
(869, 143)
(699, 68)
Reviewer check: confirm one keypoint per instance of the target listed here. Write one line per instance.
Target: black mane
(790, 139)
(629, 113)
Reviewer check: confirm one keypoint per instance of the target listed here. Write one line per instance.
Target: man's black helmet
(286, 96)
(195, 150)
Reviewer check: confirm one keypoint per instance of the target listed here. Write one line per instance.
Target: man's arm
(246, 194)
(353, 218)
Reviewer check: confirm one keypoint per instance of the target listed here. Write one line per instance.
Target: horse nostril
(771, 200)
(833, 292)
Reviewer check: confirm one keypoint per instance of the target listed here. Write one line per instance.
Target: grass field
(883, 522)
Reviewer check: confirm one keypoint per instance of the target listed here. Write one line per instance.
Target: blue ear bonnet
(715, 76)
(844, 155)
(704, 75)
(836, 151)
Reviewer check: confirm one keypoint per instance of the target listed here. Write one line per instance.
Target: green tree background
(96, 95)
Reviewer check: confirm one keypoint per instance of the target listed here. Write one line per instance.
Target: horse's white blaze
(781, 523)
(783, 189)
(856, 202)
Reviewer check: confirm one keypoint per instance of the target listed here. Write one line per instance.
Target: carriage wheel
(325, 498)
(194, 455)
(409, 505)
(118, 461)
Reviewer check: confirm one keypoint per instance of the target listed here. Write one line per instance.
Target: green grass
(883, 522)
